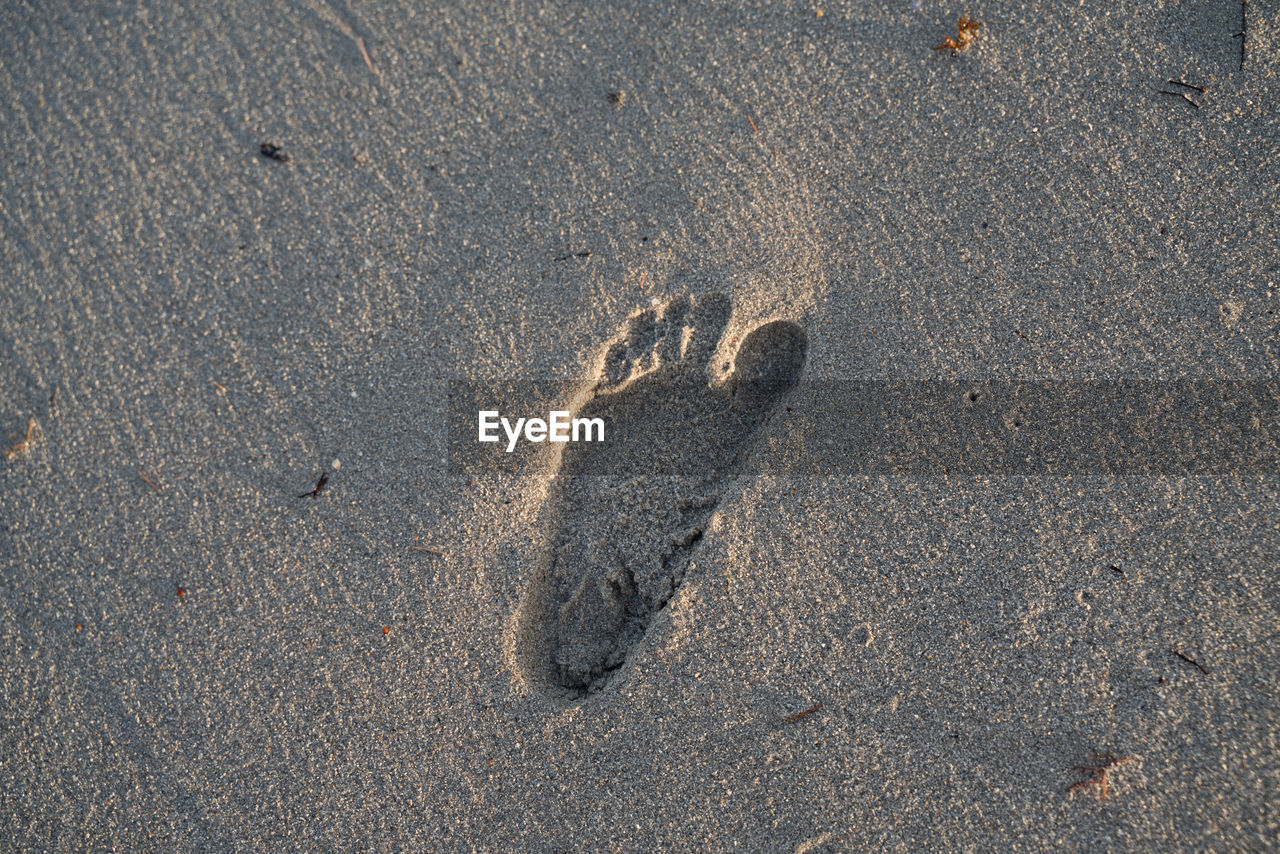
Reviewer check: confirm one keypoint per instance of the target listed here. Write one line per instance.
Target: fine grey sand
(249, 245)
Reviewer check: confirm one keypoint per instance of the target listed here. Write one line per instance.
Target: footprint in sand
(625, 515)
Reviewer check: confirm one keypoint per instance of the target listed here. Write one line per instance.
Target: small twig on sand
(1096, 775)
(1244, 29)
(431, 551)
(315, 493)
(148, 481)
(799, 715)
(23, 445)
(365, 53)
(1182, 95)
(1189, 660)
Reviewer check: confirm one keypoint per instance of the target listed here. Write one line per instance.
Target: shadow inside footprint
(625, 514)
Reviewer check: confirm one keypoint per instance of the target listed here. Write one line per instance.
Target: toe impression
(769, 362)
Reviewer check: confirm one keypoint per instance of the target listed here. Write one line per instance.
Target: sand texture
(247, 246)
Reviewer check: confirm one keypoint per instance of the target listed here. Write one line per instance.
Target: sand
(197, 656)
